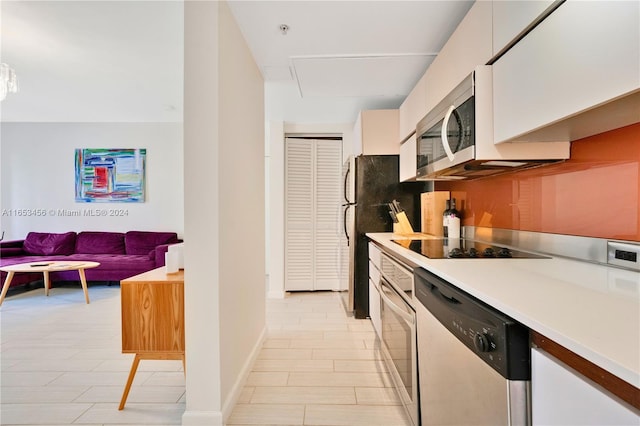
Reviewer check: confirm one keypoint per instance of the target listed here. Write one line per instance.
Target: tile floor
(318, 367)
(61, 364)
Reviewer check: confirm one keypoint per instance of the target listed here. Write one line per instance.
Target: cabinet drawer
(374, 255)
(374, 273)
(374, 308)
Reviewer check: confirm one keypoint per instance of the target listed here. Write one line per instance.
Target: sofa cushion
(116, 262)
(48, 243)
(100, 242)
(142, 242)
(11, 251)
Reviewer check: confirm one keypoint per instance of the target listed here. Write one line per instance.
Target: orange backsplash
(594, 194)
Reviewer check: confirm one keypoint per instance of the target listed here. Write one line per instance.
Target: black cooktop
(443, 248)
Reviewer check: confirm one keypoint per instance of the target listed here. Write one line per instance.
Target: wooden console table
(152, 319)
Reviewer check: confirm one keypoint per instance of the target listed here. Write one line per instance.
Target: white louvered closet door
(312, 210)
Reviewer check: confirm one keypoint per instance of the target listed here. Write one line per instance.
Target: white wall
(202, 201)
(224, 212)
(242, 212)
(276, 134)
(38, 173)
(275, 208)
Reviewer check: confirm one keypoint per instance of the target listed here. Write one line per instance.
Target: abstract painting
(110, 175)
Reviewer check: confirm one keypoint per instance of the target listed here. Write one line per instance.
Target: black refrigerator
(375, 181)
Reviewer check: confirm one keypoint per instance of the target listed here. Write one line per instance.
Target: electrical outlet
(623, 254)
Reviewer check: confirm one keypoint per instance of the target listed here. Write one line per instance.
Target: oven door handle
(444, 137)
(398, 266)
(407, 317)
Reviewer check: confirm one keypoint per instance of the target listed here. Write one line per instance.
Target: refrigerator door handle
(346, 182)
(344, 221)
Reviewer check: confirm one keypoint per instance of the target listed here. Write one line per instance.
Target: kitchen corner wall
(596, 193)
(38, 174)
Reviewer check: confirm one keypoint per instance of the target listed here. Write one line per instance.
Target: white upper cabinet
(376, 132)
(470, 45)
(557, 83)
(512, 17)
(413, 109)
(409, 159)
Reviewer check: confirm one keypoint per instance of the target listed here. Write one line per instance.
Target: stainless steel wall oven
(398, 339)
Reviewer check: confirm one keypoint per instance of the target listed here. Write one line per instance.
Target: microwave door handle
(445, 140)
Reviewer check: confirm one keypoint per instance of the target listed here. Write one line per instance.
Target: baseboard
(236, 391)
(202, 418)
(275, 294)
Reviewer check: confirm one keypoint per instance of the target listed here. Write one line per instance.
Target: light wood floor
(61, 364)
(318, 367)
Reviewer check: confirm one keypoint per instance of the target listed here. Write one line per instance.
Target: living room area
(81, 89)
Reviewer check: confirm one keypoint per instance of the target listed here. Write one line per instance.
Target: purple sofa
(121, 255)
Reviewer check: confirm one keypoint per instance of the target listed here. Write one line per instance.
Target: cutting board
(432, 205)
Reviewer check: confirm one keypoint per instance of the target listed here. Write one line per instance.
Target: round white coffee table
(45, 267)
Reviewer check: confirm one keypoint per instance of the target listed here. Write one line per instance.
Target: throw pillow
(142, 242)
(48, 243)
(90, 242)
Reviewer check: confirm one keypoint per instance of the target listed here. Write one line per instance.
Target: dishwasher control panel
(497, 339)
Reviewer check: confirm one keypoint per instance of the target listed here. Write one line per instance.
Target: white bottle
(453, 222)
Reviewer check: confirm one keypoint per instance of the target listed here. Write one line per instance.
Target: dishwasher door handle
(449, 299)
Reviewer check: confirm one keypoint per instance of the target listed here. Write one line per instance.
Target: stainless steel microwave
(455, 139)
(447, 136)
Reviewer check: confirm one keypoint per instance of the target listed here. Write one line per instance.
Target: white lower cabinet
(561, 397)
(374, 292)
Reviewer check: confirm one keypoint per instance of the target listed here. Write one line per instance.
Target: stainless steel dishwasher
(473, 361)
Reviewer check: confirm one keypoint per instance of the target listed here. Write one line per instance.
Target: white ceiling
(122, 60)
(93, 61)
(342, 56)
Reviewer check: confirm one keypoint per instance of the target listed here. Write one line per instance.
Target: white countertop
(592, 310)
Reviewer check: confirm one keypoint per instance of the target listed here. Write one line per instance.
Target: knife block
(403, 226)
